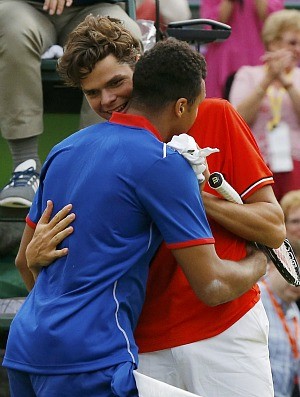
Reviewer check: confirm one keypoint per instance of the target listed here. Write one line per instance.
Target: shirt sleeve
(38, 205)
(170, 193)
(239, 160)
(35, 210)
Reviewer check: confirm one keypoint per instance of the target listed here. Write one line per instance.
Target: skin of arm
(225, 10)
(40, 243)
(261, 8)
(21, 262)
(217, 281)
(227, 6)
(260, 219)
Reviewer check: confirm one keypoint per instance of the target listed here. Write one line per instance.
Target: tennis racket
(283, 257)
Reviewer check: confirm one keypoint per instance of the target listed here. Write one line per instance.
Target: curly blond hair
(279, 22)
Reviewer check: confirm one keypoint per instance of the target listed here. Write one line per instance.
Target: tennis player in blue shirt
(73, 335)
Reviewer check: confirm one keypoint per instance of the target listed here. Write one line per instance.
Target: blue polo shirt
(129, 192)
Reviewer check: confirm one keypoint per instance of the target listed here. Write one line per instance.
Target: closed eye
(115, 82)
(91, 93)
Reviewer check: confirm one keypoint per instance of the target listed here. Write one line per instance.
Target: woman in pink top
(243, 47)
(268, 98)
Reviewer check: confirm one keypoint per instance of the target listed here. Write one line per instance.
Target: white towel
(188, 148)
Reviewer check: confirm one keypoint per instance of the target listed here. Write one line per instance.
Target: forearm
(225, 10)
(236, 279)
(217, 281)
(34, 271)
(261, 8)
(258, 221)
(27, 277)
(21, 261)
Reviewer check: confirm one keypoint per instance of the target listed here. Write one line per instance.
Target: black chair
(194, 31)
(199, 31)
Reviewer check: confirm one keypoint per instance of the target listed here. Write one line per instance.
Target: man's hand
(278, 62)
(56, 6)
(258, 257)
(41, 251)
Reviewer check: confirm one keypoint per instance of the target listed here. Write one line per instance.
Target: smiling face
(108, 87)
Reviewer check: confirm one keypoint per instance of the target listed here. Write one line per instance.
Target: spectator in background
(268, 98)
(243, 47)
(290, 204)
(279, 299)
(170, 10)
(27, 30)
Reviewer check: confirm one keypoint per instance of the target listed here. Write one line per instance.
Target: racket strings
(287, 259)
(289, 264)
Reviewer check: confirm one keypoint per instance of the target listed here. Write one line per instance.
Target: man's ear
(180, 106)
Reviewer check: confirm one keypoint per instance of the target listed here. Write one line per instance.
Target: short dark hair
(171, 69)
(93, 40)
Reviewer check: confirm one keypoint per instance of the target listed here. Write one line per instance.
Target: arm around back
(217, 281)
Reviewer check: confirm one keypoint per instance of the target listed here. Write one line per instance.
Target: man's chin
(105, 116)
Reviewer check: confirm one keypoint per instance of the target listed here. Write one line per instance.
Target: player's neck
(160, 120)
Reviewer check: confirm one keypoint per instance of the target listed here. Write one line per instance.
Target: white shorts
(234, 363)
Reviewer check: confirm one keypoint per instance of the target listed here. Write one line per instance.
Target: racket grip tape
(217, 182)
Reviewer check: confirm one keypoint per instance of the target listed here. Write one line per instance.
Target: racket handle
(217, 182)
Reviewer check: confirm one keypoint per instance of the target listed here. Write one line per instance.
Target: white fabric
(280, 148)
(55, 51)
(172, 10)
(234, 363)
(149, 387)
(188, 148)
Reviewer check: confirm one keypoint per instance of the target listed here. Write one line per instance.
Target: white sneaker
(20, 190)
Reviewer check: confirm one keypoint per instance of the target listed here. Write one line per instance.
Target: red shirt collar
(134, 121)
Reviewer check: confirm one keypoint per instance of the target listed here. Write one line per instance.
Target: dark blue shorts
(110, 382)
